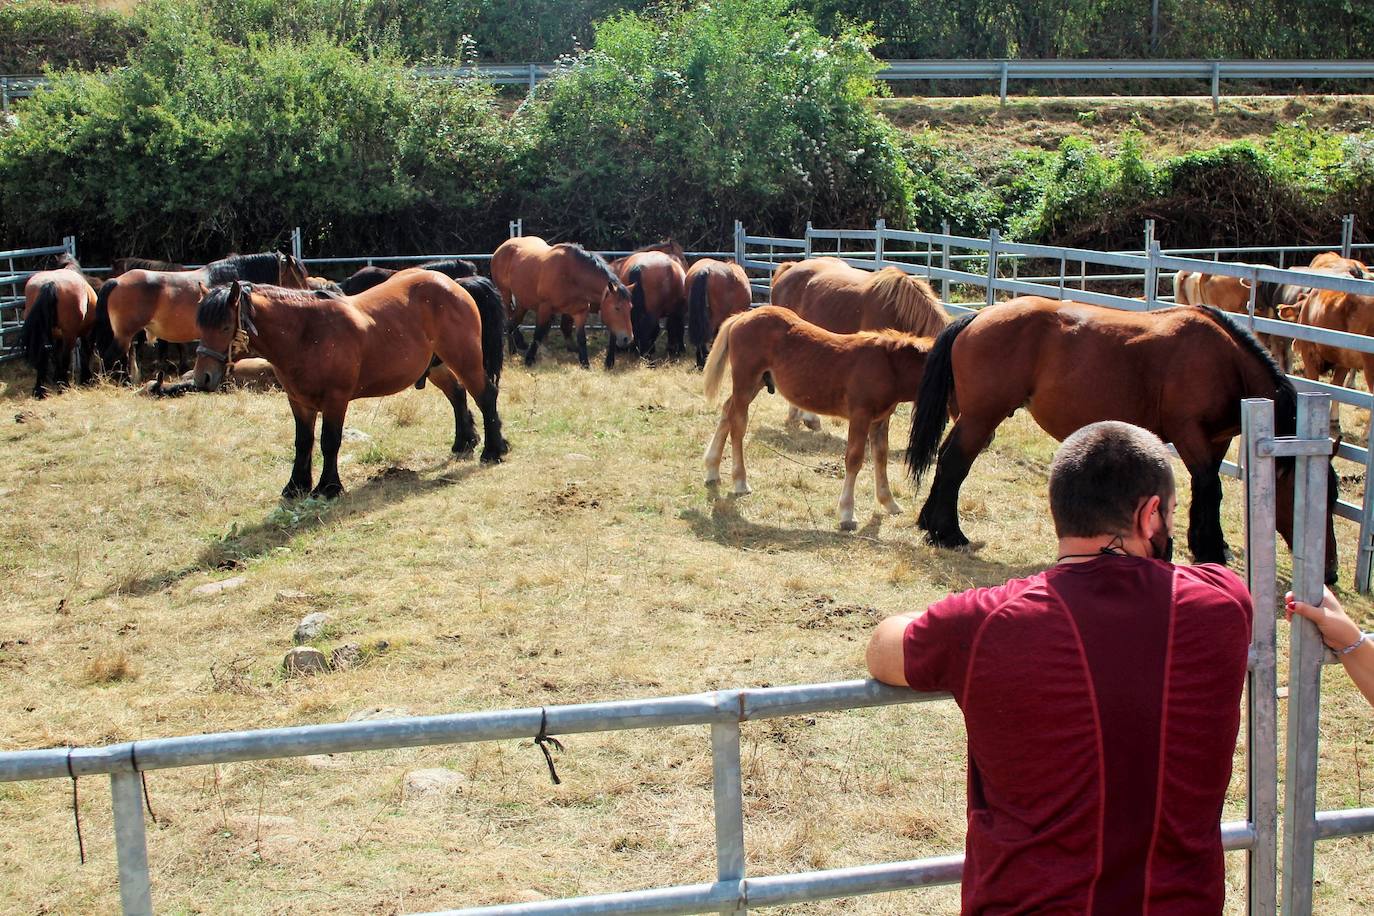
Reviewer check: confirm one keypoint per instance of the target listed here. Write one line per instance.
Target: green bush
(37, 34)
(682, 122)
(202, 146)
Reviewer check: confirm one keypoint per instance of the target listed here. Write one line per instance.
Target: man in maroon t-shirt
(1101, 698)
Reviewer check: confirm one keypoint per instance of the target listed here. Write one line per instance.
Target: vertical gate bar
(131, 846)
(944, 260)
(729, 804)
(1305, 662)
(1003, 90)
(739, 243)
(806, 237)
(1347, 234)
(1364, 554)
(993, 236)
(1250, 305)
(1063, 264)
(1082, 275)
(1151, 271)
(1261, 689)
(878, 229)
(1216, 85)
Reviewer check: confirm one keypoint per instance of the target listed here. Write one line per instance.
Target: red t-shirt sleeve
(936, 645)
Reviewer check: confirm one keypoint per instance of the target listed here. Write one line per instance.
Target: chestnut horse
(1337, 311)
(861, 377)
(164, 302)
(367, 277)
(1179, 372)
(562, 279)
(59, 308)
(839, 297)
(657, 293)
(715, 291)
(329, 350)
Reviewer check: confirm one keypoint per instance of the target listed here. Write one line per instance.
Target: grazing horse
(329, 350)
(657, 293)
(715, 291)
(842, 298)
(861, 377)
(59, 308)
(562, 279)
(367, 277)
(1179, 372)
(164, 303)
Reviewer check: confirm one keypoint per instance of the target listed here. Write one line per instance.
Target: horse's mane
(255, 268)
(123, 265)
(455, 268)
(66, 261)
(893, 338)
(597, 262)
(670, 247)
(214, 308)
(911, 303)
(1285, 395)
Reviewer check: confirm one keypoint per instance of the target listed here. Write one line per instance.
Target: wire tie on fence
(143, 777)
(76, 810)
(543, 740)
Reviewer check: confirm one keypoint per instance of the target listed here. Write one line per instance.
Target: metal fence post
(1261, 689)
(806, 237)
(878, 228)
(739, 243)
(1347, 234)
(533, 78)
(1305, 661)
(131, 846)
(1250, 304)
(296, 247)
(944, 260)
(1151, 270)
(729, 805)
(1364, 552)
(1216, 85)
(993, 236)
(1002, 91)
(69, 243)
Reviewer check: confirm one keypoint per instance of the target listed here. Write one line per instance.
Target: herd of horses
(836, 341)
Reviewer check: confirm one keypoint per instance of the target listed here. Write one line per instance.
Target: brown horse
(562, 279)
(1179, 372)
(164, 302)
(1325, 308)
(59, 308)
(670, 247)
(861, 377)
(367, 277)
(657, 293)
(329, 350)
(715, 291)
(839, 297)
(121, 266)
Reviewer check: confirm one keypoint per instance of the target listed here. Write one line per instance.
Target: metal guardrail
(1001, 70)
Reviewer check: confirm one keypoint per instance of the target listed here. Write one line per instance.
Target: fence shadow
(289, 519)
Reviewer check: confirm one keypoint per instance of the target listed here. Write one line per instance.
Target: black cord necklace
(1113, 548)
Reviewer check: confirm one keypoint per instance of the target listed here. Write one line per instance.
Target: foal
(861, 377)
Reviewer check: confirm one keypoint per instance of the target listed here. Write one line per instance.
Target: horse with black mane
(657, 293)
(367, 277)
(1179, 372)
(59, 310)
(329, 350)
(164, 302)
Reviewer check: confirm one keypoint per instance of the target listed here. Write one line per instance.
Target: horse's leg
(41, 371)
(878, 438)
(580, 322)
(859, 424)
(739, 420)
(540, 332)
(461, 350)
(675, 335)
(716, 448)
(62, 368)
(610, 349)
(517, 340)
(160, 360)
(565, 324)
(464, 429)
(299, 484)
(1205, 538)
(939, 516)
(331, 437)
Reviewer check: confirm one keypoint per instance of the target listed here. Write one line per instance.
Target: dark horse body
(330, 350)
(367, 277)
(658, 293)
(1180, 373)
(59, 311)
(163, 303)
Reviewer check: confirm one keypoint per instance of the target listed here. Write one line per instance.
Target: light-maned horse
(555, 280)
(1179, 372)
(657, 294)
(860, 377)
(367, 277)
(164, 303)
(330, 350)
(715, 291)
(842, 298)
(59, 312)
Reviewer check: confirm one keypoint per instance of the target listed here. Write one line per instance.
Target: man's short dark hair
(1101, 473)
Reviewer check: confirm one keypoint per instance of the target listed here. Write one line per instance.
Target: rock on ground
(312, 626)
(304, 660)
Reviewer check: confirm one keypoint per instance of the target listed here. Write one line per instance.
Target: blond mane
(910, 302)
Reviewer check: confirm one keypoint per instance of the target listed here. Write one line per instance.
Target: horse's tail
(36, 334)
(932, 404)
(698, 310)
(102, 333)
(719, 358)
(493, 313)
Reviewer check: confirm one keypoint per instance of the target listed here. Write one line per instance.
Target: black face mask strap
(543, 740)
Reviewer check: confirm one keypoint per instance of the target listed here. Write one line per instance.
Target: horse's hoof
(849, 526)
(812, 424)
(893, 508)
(742, 489)
(333, 491)
(712, 483)
(295, 490)
(491, 457)
(950, 540)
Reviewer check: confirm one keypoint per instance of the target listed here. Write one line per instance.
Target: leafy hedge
(36, 34)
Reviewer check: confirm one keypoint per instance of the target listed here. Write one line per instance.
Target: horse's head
(615, 312)
(222, 313)
(291, 272)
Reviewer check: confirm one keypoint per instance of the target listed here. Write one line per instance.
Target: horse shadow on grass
(291, 518)
(800, 441)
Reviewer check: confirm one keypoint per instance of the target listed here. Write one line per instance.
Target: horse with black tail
(493, 313)
(59, 312)
(1180, 373)
(715, 291)
(657, 294)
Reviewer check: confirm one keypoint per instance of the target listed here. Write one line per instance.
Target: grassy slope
(592, 565)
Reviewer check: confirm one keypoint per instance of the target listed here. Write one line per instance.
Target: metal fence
(733, 890)
(1001, 71)
(16, 267)
(962, 263)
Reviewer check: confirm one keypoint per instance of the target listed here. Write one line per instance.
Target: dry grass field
(590, 565)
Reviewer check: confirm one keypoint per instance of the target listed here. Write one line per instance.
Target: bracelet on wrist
(1353, 646)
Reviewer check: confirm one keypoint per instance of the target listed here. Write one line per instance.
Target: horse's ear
(1288, 312)
(204, 290)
